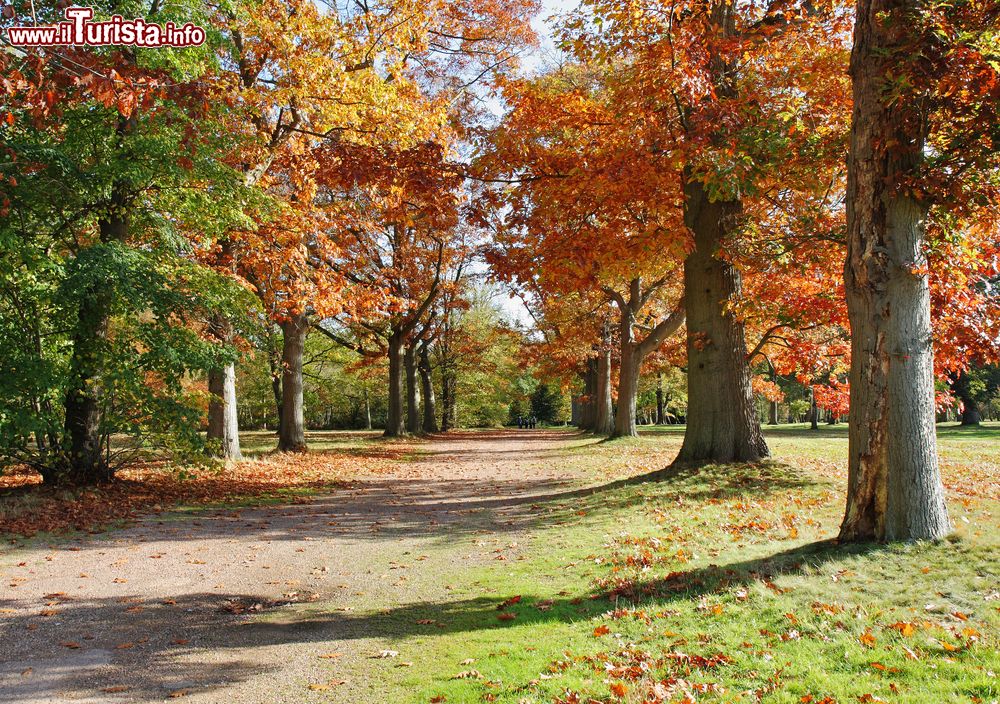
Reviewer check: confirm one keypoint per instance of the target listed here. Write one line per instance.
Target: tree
(546, 404)
(924, 86)
(104, 156)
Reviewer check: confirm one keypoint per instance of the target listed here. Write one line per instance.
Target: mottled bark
(722, 422)
(292, 432)
(894, 487)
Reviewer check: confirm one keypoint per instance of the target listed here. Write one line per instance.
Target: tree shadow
(200, 642)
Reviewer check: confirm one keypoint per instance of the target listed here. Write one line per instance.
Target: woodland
(737, 261)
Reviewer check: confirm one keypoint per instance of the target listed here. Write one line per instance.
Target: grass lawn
(722, 585)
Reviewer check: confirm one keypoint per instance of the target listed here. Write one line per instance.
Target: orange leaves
(147, 488)
(619, 689)
(867, 639)
(601, 630)
(905, 628)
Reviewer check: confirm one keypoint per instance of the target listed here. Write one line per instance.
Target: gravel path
(239, 606)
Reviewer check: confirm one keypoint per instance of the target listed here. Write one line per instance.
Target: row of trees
(674, 192)
(166, 212)
(683, 167)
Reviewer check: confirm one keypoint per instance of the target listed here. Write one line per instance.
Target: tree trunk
(394, 417)
(722, 422)
(223, 422)
(587, 401)
(274, 364)
(85, 461)
(894, 487)
(427, 384)
(659, 398)
(604, 417)
(291, 432)
(628, 390)
(413, 418)
(971, 415)
(368, 412)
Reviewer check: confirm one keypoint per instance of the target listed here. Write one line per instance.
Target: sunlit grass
(721, 585)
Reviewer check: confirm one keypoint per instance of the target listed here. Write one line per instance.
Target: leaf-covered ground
(523, 567)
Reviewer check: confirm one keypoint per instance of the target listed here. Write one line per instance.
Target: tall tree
(925, 88)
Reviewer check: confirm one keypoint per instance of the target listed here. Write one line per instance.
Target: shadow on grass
(197, 641)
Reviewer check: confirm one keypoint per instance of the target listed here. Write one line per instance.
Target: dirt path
(238, 606)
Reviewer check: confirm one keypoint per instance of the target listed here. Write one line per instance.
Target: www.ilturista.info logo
(79, 30)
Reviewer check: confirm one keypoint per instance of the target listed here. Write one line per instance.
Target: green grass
(723, 585)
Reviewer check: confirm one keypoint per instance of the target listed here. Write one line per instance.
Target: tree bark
(394, 427)
(971, 414)
(587, 402)
(413, 417)
(223, 422)
(85, 460)
(429, 424)
(628, 390)
(604, 421)
(368, 412)
(291, 432)
(722, 422)
(894, 486)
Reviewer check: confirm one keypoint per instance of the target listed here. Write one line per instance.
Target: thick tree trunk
(85, 460)
(430, 424)
(604, 421)
(894, 487)
(722, 422)
(628, 390)
(394, 417)
(659, 398)
(413, 417)
(292, 431)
